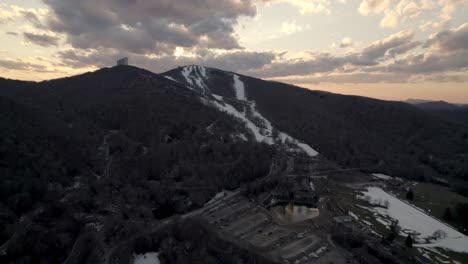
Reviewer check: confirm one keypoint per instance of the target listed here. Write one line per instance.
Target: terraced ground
(237, 218)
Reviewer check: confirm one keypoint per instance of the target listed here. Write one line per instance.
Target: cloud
(21, 65)
(238, 61)
(44, 40)
(156, 27)
(346, 42)
(353, 78)
(318, 63)
(438, 25)
(366, 78)
(396, 12)
(290, 27)
(368, 7)
(391, 46)
(9, 13)
(306, 6)
(11, 33)
(403, 10)
(449, 40)
(428, 63)
(380, 48)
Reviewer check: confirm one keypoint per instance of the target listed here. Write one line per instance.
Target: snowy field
(411, 218)
(147, 258)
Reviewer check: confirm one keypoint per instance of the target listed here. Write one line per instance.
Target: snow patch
(262, 134)
(308, 149)
(260, 127)
(239, 88)
(353, 215)
(217, 97)
(186, 73)
(170, 78)
(321, 249)
(381, 176)
(217, 197)
(147, 258)
(312, 186)
(412, 218)
(196, 76)
(227, 108)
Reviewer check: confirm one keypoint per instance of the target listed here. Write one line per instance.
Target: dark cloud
(380, 48)
(387, 60)
(11, 33)
(43, 40)
(32, 17)
(453, 40)
(321, 62)
(403, 48)
(427, 63)
(358, 77)
(240, 61)
(21, 65)
(371, 55)
(149, 26)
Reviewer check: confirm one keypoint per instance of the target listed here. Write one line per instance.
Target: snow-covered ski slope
(261, 128)
(411, 218)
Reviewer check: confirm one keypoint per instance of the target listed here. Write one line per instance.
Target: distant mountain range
(435, 105)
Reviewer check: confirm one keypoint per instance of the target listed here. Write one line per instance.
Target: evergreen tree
(448, 214)
(394, 230)
(410, 194)
(409, 241)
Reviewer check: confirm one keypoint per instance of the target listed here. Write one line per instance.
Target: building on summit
(123, 61)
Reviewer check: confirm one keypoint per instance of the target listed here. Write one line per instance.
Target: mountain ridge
(330, 116)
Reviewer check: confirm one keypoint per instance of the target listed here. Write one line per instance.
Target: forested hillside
(117, 146)
(358, 132)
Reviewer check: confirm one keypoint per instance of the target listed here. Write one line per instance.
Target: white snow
(353, 215)
(262, 134)
(217, 97)
(242, 116)
(186, 73)
(202, 71)
(308, 149)
(412, 218)
(217, 197)
(381, 176)
(147, 258)
(239, 88)
(260, 127)
(321, 249)
(170, 78)
(312, 187)
(196, 76)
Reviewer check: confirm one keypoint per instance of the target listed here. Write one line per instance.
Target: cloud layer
(160, 35)
(148, 26)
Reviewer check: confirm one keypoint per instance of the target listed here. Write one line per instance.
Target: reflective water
(292, 213)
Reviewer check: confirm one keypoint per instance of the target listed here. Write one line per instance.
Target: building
(123, 61)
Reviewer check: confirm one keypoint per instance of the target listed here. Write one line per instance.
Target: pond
(293, 213)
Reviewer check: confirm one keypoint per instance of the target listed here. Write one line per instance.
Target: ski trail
(261, 128)
(265, 133)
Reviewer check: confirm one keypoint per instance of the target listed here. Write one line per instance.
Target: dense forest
(120, 147)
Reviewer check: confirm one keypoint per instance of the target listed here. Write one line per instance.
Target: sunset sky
(388, 49)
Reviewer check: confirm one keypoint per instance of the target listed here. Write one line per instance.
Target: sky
(387, 49)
